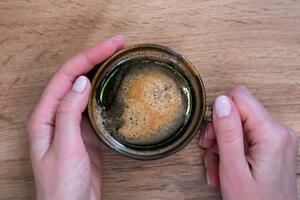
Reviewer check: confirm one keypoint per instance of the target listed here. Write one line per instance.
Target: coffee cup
(147, 102)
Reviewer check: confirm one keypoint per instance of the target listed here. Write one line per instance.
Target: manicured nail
(206, 132)
(117, 38)
(80, 84)
(222, 106)
(200, 141)
(203, 136)
(208, 178)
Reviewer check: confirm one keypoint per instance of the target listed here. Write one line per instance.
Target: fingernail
(80, 84)
(200, 140)
(203, 136)
(117, 38)
(206, 132)
(208, 178)
(222, 106)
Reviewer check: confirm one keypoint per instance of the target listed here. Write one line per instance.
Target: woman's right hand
(248, 153)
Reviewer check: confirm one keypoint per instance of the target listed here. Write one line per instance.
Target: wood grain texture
(251, 42)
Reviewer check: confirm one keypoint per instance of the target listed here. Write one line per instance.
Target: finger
(229, 134)
(207, 136)
(255, 117)
(211, 162)
(67, 138)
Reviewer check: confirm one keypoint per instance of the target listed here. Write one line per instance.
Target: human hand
(250, 154)
(64, 153)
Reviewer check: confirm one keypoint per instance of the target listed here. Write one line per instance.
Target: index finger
(63, 79)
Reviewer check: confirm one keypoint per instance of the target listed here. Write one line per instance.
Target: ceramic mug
(197, 112)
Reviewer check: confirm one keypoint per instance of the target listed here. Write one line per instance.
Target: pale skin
(248, 153)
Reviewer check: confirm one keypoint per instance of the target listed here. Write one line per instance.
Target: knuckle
(293, 134)
(28, 122)
(64, 107)
(294, 138)
(69, 104)
(283, 138)
(239, 89)
(31, 121)
(211, 155)
(230, 135)
(296, 141)
(267, 125)
(206, 157)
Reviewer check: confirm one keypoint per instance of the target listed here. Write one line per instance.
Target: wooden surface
(251, 42)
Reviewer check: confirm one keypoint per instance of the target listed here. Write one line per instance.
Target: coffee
(143, 102)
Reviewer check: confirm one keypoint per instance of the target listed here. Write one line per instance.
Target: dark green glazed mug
(147, 102)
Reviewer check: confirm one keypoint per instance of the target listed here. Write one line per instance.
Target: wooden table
(251, 42)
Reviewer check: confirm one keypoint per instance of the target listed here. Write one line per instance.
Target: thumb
(229, 134)
(67, 137)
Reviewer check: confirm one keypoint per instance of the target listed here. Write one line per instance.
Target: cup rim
(200, 114)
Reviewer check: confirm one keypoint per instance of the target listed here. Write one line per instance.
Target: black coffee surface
(143, 102)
